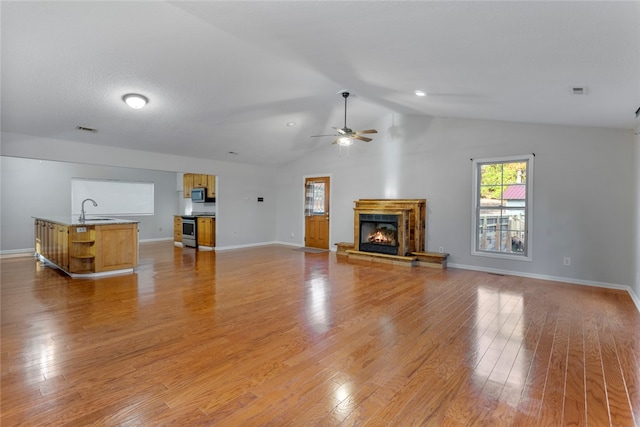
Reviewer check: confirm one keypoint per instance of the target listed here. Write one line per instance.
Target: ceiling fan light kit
(344, 141)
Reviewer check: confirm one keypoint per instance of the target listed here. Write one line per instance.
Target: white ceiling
(228, 76)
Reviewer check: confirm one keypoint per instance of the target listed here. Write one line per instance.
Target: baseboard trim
(251, 245)
(569, 280)
(17, 253)
(159, 239)
(635, 298)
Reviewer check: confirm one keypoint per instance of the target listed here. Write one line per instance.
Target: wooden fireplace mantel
(412, 233)
(413, 213)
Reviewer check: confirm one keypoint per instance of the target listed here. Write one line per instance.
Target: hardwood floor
(274, 336)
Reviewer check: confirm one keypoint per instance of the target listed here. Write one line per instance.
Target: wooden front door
(316, 212)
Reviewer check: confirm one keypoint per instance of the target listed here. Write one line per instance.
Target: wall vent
(579, 90)
(86, 129)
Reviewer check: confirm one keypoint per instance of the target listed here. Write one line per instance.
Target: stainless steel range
(189, 231)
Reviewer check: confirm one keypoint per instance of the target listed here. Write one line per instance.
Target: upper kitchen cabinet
(196, 180)
(187, 185)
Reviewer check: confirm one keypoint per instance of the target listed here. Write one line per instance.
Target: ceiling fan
(347, 136)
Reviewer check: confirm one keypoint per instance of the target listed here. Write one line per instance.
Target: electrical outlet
(292, 235)
(566, 261)
(441, 249)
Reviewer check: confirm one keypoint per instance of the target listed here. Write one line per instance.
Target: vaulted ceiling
(227, 76)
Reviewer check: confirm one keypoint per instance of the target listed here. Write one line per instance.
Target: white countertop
(74, 220)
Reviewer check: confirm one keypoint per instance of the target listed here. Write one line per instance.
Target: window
(502, 207)
(314, 194)
(124, 198)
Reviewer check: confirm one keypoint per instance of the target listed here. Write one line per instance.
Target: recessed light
(291, 124)
(135, 100)
(420, 93)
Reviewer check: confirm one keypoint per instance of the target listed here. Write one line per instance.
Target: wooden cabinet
(177, 228)
(206, 231)
(199, 180)
(195, 180)
(187, 185)
(37, 235)
(61, 245)
(116, 247)
(82, 250)
(52, 241)
(50, 228)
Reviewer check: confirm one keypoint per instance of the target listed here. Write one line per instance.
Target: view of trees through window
(501, 207)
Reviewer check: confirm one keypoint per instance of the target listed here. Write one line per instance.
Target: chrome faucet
(82, 212)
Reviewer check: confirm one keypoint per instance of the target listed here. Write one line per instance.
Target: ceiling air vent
(87, 129)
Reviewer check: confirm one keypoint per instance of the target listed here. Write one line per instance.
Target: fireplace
(379, 233)
(389, 226)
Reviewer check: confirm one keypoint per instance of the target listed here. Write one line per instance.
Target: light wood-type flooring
(275, 336)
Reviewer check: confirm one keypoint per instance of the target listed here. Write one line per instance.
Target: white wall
(241, 220)
(584, 190)
(636, 287)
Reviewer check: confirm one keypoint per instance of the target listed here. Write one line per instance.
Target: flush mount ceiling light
(135, 100)
(420, 93)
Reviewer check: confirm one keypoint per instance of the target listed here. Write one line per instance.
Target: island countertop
(90, 248)
(74, 220)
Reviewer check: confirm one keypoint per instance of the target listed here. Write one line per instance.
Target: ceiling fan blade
(367, 131)
(316, 136)
(361, 138)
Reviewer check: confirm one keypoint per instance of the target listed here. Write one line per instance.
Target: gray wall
(240, 219)
(43, 188)
(586, 190)
(585, 197)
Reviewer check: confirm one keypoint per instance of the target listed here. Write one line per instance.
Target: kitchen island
(90, 248)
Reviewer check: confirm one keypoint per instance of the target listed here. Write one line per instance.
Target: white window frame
(528, 250)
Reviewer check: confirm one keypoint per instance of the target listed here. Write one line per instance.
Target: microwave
(199, 195)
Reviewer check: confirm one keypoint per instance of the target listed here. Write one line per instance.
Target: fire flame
(383, 236)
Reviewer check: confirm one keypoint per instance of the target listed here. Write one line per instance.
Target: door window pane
(318, 198)
(315, 198)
